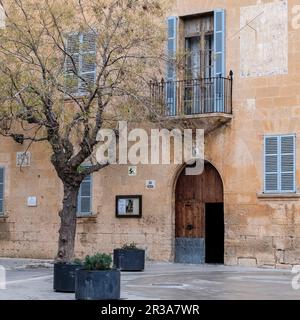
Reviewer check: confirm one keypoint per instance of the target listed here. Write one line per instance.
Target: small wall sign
(132, 171)
(150, 184)
(129, 206)
(31, 202)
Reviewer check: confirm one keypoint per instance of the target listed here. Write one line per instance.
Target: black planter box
(64, 277)
(129, 260)
(97, 285)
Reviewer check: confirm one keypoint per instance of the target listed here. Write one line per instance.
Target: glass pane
(193, 57)
(1, 206)
(1, 191)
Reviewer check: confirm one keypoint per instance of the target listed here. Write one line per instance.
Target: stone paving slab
(27, 280)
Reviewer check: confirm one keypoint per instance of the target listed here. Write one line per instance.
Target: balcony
(204, 103)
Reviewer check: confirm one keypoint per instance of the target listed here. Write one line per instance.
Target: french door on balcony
(199, 74)
(200, 87)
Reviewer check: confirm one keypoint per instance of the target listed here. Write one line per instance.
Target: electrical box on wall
(23, 159)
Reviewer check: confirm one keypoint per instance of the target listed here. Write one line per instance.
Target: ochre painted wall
(258, 231)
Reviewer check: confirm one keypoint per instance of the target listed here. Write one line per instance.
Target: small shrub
(131, 246)
(100, 261)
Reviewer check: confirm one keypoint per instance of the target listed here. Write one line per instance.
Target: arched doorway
(199, 217)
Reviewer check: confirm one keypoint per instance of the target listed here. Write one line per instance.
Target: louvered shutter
(84, 207)
(72, 64)
(1, 191)
(171, 86)
(287, 163)
(271, 165)
(88, 61)
(219, 59)
(280, 158)
(80, 67)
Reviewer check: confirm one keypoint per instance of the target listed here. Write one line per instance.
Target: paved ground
(32, 280)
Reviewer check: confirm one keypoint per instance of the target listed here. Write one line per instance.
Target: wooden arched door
(199, 220)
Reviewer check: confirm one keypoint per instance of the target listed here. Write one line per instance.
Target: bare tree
(67, 67)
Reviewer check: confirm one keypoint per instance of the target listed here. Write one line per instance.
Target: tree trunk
(67, 231)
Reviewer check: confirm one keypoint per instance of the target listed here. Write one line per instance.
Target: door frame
(175, 178)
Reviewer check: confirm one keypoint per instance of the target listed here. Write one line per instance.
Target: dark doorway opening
(214, 233)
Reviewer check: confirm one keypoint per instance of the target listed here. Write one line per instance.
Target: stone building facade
(252, 150)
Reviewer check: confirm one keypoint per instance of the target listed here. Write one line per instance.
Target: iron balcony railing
(193, 96)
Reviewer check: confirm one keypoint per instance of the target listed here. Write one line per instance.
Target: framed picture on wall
(129, 206)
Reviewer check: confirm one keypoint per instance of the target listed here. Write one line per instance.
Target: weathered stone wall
(259, 230)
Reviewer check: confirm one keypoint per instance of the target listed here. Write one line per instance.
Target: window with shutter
(80, 65)
(1, 191)
(84, 206)
(280, 159)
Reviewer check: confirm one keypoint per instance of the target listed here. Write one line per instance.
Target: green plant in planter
(97, 280)
(99, 261)
(131, 246)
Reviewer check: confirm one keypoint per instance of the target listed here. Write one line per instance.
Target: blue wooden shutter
(271, 165)
(82, 48)
(87, 61)
(287, 163)
(72, 65)
(219, 57)
(85, 197)
(171, 86)
(1, 191)
(280, 164)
